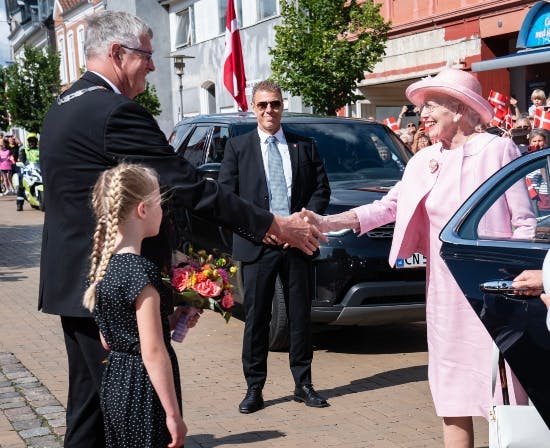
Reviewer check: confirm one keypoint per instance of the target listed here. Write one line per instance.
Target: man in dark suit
(281, 172)
(90, 128)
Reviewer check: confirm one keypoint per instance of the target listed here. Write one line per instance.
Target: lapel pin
(434, 165)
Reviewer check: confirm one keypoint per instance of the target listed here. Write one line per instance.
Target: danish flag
(391, 123)
(497, 99)
(234, 78)
(541, 119)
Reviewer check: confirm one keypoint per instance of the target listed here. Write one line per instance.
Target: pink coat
(491, 154)
(435, 183)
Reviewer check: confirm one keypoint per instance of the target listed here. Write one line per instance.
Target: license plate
(414, 261)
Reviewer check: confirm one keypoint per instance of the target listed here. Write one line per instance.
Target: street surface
(374, 378)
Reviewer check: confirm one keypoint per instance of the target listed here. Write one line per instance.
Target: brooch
(434, 165)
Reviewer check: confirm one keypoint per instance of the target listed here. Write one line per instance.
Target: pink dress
(436, 182)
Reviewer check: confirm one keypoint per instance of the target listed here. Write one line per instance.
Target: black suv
(353, 282)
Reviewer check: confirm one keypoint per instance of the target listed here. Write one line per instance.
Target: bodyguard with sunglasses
(283, 173)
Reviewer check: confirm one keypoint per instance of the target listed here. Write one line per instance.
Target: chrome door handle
(503, 287)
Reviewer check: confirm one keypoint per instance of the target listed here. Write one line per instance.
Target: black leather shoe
(19, 207)
(253, 401)
(307, 394)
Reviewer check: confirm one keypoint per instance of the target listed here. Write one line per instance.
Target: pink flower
(181, 278)
(227, 300)
(208, 288)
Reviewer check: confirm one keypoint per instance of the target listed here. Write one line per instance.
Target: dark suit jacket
(242, 170)
(80, 139)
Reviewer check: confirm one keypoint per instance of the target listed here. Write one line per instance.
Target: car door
(485, 256)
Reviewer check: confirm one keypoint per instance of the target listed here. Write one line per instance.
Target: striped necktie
(277, 181)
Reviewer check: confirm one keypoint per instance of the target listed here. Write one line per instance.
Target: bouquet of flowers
(201, 281)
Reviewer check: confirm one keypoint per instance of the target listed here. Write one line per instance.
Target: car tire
(279, 336)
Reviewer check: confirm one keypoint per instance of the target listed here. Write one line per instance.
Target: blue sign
(535, 30)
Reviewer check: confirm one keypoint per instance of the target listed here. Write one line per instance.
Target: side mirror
(209, 170)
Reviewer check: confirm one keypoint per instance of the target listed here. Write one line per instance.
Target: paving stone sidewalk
(33, 412)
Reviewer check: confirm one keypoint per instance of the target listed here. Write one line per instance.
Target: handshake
(304, 229)
(301, 230)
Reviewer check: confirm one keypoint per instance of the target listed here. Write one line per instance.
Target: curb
(34, 413)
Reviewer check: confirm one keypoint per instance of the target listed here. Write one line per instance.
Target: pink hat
(455, 83)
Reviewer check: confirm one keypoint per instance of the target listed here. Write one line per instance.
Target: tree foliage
(32, 83)
(149, 99)
(323, 47)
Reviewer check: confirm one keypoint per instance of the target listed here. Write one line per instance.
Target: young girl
(6, 162)
(140, 392)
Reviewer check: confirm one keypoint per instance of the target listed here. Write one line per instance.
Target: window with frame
(185, 28)
(71, 57)
(222, 13)
(62, 59)
(267, 8)
(80, 42)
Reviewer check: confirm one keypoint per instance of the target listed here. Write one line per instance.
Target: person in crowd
(537, 182)
(119, 56)
(28, 154)
(435, 183)
(538, 98)
(281, 172)
(420, 140)
(6, 163)
(515, 106)
(140, 392)
(407, 139)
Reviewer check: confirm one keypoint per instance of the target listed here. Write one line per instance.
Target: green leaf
(324, 47)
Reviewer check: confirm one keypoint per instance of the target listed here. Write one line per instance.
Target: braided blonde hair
(115, 194)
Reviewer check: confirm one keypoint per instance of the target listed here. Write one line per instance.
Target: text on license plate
(416, 260)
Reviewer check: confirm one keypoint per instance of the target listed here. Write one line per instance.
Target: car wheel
(279, 338)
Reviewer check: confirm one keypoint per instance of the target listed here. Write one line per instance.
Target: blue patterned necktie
(277, 181)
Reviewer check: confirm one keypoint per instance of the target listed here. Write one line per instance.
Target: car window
(525, 194)
(179, 135)
(354, 151)
(195, 151)
(220, 135)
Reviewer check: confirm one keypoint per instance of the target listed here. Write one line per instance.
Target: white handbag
(514, 426)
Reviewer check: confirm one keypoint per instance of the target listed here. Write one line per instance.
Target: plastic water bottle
(182, 326)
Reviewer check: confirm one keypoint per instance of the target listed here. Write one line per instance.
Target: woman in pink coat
(437, 180)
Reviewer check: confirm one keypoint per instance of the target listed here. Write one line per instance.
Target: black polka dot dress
(133, 414)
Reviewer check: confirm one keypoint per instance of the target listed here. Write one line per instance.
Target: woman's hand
(177, 429)
(530, 282)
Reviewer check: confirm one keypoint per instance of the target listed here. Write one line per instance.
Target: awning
(524, 57)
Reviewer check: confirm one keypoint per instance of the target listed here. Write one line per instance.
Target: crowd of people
(416, 136)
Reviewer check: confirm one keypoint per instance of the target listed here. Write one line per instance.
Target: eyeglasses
(429, 107)
(262, 105)
(411, 125)
(148, 54)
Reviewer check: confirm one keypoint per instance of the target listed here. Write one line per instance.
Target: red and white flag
(234, 78)
(541, 119)
(497, 99)
(498, 116)
(391, 123)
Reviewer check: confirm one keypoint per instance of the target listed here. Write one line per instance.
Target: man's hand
(296, 232)
(530, 282)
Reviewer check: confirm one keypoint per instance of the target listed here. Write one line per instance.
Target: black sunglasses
(262, 105)
(410, 125)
